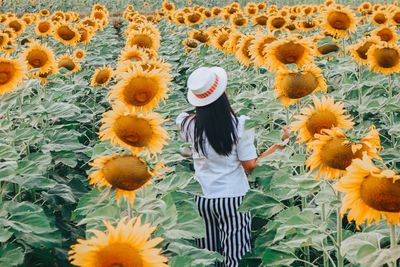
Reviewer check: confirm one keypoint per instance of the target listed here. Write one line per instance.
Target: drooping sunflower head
(43, 27)
(292, 85)
(16, 25)
(66, 61)
(385, 34)
(333, 152)
(276, 22)
(220, 39)
(193, 18)
(135, 131)
(133, 53)
(216, 11)
(379, 18)
(3, 40)
(201, 36)
(143, 39)
(251, 9)
(338, 22)
(307, 25)
(324, 114)
(238, 20)
(102, 76)
(66, 33)
(141, 90)
(359, 50)
(38, 56)
(289, 51)
(261, 20)
(395, 17)
(243, 52)
(127, 244)
(85, 33)
(384, 58)
(12, 73)
(258, 48)
(44, 76)
(371, 193)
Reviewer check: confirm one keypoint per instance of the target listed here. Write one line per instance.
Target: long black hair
(218, 121)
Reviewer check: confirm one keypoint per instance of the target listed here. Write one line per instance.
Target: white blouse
(218, 175)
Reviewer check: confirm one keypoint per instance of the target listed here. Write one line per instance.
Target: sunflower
(202, 36)
(261, 6)
(325, 114)
(359, 50)
(232, 45)
(386, 34)
(44, 12)
(17, 25)
(193, 18)
(292, 85)
(379, 18)
(251, 9)
(43, 76)
(260, 20)
(371, 193)
(27, 20)
(12, 73)
(365, 8)
(102, 76)
(384, 58)
(127, 244)
(68, 62)
(395, 17)
(179, 18)
(125, 66)
(169, 7)
(133, 53)
(243, 53)
(79, 54)
(125, 173)
(216, 11)
(289, 51)
(11, 46)
(135, 131)
(276, 23)
(190, 43)
(307, 25)
(143, 39)
(238, 20)
(3, 40)
(85, 34)
(333, 152)
(43, 28)
(141, 90)
(66, 33)
(38, 56)
(257, 49)
(338, 22)
(220, 39)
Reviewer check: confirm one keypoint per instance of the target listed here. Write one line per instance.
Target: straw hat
(206, 85)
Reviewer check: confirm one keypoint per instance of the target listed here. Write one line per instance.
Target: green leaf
(261, 204)
(276, 257)
(11, 255)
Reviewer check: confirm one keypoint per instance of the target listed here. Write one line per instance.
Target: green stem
(393, 241)
(94, 111)
(339, 234)
(323, 217)
(129, 210)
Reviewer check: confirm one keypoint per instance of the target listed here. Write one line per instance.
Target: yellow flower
(201, 36)
(243, 53)
(66, 33)
(384, 58)
(38, 56)
(193, 18)
(102, 76)
(133, 53)
(68, 62)
(79, 54)
(333, 152)
(43, 27)
(359, 50)
(169, 7)
(258, 47)
(276, 23)
(260, 20)
(325, 114)
(289, 51)
(292, 85)
(386, 34)
(17, 25)
(251, 9)
(3, 40)
(12, 73)
(379, 18)
(238, 20)
(143, 39)
(44, 12)
(85, 34)
(371, 193)
(141, 90)
(127, 244)
(338, 22)
(220, 39)
(135, 131)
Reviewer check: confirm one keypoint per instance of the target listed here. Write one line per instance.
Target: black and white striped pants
(227, 230)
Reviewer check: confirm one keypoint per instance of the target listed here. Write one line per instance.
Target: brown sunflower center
(201, 37)
(103, 76)
(380, 18)
(362, 50)
(336, 154)
(134, 131)
(278, 23)
(44, 27)
(326, 49)
(297, 85)
(396, 17)
(67, 63)
(385, 35)
(321, 120)
(386, 57)
(65, 33)
(261, 20)
(7, 71)
(194, 17)
(142, 40)
(262, 45)
(140, 91)
(339, 20)
(118, 255)
(381, 193)
(15, 25)
(37, 58)
(221, 39)
(308, 24)
(290, 53)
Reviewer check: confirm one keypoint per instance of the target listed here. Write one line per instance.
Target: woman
(223, 151)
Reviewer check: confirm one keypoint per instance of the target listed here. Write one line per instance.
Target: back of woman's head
(218, 123)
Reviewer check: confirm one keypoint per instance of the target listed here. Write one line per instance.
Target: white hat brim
(222, 78)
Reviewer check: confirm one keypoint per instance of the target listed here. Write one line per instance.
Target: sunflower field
(92, 172)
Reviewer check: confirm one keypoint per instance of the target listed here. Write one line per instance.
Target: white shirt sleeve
(245, 145)
(179, 120)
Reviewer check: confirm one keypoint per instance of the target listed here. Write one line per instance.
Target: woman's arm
(249, 165)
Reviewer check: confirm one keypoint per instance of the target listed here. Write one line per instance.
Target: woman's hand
(249, 165)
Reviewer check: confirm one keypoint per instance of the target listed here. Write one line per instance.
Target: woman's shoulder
(181, 117)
